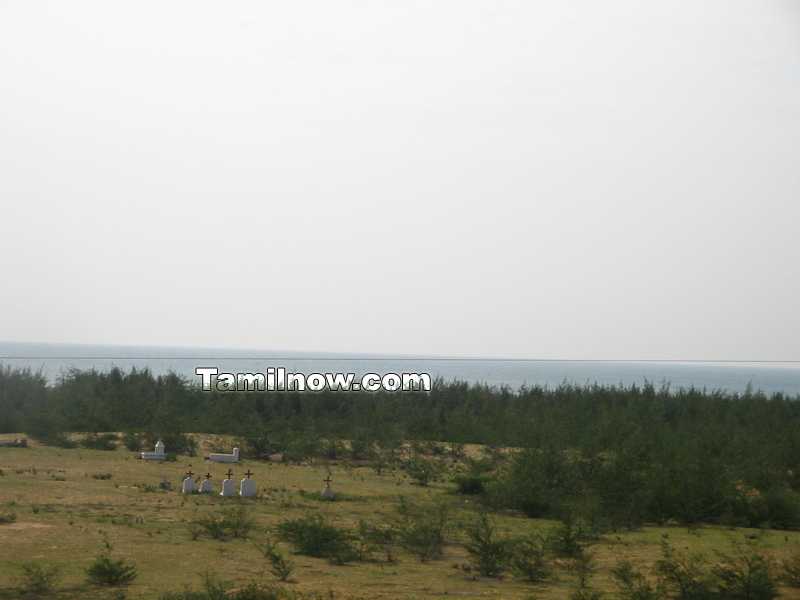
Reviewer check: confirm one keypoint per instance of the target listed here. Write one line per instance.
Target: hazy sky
(575, 179)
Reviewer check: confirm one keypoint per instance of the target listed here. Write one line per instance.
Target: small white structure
(207, 487)
(159, 454)
(228, 485)
(225, 458)
(247, 487)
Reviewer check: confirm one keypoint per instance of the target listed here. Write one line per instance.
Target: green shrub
(110, 572)
(529, 559)
(100, 441)
(686, 577)
(633, 585)
(314, 536)
(565, 540)
(231, 523)
(421, 530)
(102, 476)
(471, 485)
(783, 508)
(375, 538)
(280, 567)
(132, 441)
(421, 470)
(791, 570)
(489, 555)
(7, 517)
(38, 579)
(746, 575)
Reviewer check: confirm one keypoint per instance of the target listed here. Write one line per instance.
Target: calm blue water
(55, 359)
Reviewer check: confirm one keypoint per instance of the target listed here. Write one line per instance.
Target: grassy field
(65, 511)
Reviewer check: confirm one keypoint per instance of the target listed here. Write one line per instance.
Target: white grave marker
(188, 486)
(247, 487)
(228, 485)
(207, 487)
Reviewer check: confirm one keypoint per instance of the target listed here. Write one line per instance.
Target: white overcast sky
(575, 179)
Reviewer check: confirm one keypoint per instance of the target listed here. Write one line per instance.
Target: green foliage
(791, 570)
(686, 577)
(314, 536)
(216, 589)
(565, 540)
(529, 559)
(745, 575)
(421, 529)
(100, 441)
(39, 579)
(280, 566)
(132, 441)
(107, 571)
(633, 585)
(375, 538)
(470, 485)
(229, 523)
(7, 517)
(489, 554)
(614, 456)
(421, 470)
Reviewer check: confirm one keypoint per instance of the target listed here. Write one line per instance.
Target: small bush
(110, 572)
(470, 485)
(421, 470)
(529, 559)
(791, 570)
(375, 538)
(102, 476)
(313, 536)
(421, 530)
(132, 441)
(745, 576)
(232, 523)
(100, 441)
(280, 567)
(687, 577)
(38, 579)
(490, 555)
(633, 585)
(7, 517)
(565, 540)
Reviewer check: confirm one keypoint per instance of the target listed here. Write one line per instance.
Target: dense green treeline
(614, 455)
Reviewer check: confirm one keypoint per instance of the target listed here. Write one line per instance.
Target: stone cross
(230, 473)
(248, 474)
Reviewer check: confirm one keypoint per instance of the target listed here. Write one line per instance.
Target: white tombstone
(247, 488)
(188, 486)
(159, 454)
(225, 458)
(206, 487)
(228, 487)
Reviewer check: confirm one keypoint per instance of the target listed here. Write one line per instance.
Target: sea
(55, 360)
